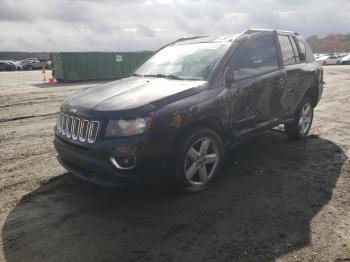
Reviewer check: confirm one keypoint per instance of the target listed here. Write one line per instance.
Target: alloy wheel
(305, 119)
(201, 161)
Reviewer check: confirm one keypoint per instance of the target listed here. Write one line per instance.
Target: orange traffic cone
(44, 74)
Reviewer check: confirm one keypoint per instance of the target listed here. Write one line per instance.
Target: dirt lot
(277, 200)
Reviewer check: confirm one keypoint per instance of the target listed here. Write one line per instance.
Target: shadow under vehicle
(262, 210)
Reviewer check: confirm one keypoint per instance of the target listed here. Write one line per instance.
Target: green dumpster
(79, 66)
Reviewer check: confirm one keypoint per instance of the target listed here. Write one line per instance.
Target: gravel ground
(276, 201)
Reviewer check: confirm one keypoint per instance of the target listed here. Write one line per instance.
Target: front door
(259, 82)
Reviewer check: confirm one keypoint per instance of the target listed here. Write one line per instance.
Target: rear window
(289, 55)
(304, 48)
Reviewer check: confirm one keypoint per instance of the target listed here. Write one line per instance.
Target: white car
(346, 60)
(330, 60)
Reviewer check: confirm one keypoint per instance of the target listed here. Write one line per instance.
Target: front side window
(187, 61)
(288, 53)
(256, 55)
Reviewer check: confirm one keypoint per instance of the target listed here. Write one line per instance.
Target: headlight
(119, 128)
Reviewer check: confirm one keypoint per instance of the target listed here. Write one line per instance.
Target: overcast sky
(86, 25)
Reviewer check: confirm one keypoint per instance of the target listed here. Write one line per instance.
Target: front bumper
(92, 162)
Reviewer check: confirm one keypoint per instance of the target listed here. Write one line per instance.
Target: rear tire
(198, 160)
(302, 122)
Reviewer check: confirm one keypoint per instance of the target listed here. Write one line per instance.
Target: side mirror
(229, 76)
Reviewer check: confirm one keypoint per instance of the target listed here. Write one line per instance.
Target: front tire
(198, 160)
(302, 122)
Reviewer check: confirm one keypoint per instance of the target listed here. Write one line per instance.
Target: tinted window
(256, 55)
(288, 56)
(295, 49)
(302, 50)
(309, 55)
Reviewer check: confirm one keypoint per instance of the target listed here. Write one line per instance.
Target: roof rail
(181, 39)
(287, 32)
(252, 30)
(269, 30)
(188, 38)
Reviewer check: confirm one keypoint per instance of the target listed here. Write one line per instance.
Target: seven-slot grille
(77, 128)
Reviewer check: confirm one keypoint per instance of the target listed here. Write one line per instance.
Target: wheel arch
(210, 122)
(313, 92)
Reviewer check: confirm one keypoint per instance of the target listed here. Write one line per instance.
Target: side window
(302, 50)
(256, 55)
(295, 49)
(304, 47)
(288, 56)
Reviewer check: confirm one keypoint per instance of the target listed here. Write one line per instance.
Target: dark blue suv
(181, 110)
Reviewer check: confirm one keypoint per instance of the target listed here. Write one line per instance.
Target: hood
(130, 97)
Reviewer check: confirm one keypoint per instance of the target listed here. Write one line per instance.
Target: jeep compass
(182, 109)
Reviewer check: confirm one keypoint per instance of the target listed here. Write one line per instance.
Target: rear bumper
(93, 162)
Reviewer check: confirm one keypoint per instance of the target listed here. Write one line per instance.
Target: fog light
(124, 161)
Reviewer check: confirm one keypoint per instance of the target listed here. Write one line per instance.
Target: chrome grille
(77, 128)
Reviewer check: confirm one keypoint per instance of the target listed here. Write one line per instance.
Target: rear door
(258, 79)
(312, 71)
(294, 71)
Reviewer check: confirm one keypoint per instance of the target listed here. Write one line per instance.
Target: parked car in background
(346, 60)
(181, 110)
(6, 66)
(30, 59)
(330, 60)
(17, 64)
(39, 63)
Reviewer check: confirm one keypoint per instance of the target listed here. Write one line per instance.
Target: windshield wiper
(170, 76)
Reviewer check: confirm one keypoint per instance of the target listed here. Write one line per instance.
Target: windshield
(189, 61)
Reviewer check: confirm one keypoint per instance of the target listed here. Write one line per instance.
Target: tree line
(336, 43)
